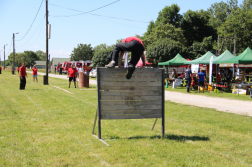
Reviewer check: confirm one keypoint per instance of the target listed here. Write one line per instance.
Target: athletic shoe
(130, 72)
(110, 65)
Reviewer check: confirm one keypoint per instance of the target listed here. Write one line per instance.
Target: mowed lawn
(46, 126)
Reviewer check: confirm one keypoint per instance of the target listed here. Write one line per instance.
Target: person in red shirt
(18, 70)
(0, 70)
(23, 76)
(133, 45)
(34, 73)
(72, 73)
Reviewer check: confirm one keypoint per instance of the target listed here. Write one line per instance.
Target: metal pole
(4, 56)
(46, 76)
(13, 63)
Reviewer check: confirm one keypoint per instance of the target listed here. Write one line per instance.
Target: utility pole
(13, 63)
(4, 56)
(46, 76)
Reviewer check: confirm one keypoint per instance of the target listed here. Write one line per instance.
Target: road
(220, 104)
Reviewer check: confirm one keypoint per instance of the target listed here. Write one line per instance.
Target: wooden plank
(130, 107)
(130, 88)
(132, 93)
(131, 98)
(131, 112)
(116, 71)
(120, 103)
(130, 116)
(144, 84)
(135, 74)
(133, 78)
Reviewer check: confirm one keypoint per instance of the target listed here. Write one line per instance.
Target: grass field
(46, 126)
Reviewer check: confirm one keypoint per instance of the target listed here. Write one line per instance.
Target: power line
(97, 14)
(32, 22)
(84, 12)
(33, 33)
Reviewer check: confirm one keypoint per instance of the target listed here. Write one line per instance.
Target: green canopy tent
(224, 56)
(206, 57)
(176, 61)
(244, 58)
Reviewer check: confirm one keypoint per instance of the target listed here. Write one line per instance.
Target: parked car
(93, 73)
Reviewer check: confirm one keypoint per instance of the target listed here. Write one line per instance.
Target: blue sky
(73, 28)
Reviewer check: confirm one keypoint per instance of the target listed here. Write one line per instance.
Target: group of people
(23, 75)
(201, 79)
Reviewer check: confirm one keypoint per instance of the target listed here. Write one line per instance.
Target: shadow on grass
(179, 138)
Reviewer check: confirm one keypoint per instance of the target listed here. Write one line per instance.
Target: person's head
(34, 66)
(201, 70)
(23, 64)
(189, 66)
(72, 65)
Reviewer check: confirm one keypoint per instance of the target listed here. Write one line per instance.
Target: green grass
(45, 126)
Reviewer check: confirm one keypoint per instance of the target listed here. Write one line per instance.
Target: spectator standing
(201, 81)
(188, 77)
(174, 73)
(23, 76)
(34, 73)
(0, 70)
(72, 73)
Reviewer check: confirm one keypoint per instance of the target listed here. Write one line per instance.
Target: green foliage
(82, 52)
(41, 55)
(163, 31)
(169, 15)
(163, 50)
(100, 58)
(31, 57)
(196, 27)
(100, 47)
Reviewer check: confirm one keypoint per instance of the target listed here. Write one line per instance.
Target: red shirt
(129, 39)
(22, 71)
(72, 71)
(34, 71)
(0, 68)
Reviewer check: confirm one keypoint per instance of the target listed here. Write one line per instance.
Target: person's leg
(198, 87)
(74, 81)
(37, 79)
(69, 84)
(33, 78)
(24, 79)
(188, 84)
(21, 84)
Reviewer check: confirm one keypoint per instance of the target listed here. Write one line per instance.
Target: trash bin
(83, 80)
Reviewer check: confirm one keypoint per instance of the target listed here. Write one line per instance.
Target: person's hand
(21, 78)
(142, 67)
(120, 66)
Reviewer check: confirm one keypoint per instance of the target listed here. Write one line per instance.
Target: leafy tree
(169, 15)
(196, 27)
(239, 23)
(163, 50)
(100, 58)
(150, 28)
(41, 55)
(82, 52)
(31, 57)
(100, 47)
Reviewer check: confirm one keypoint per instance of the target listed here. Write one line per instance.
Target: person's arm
(120, 59)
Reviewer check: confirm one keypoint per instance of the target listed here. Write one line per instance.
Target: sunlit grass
(46, 126)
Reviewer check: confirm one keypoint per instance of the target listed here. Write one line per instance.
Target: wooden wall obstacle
(140, 97)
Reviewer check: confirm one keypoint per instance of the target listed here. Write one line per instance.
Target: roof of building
(59, 60)
(40, 63)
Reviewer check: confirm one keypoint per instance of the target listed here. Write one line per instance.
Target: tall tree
(82, 52)
(196, 26)
(41, 55)
(100, 47)
(169, 14)
(31, 57)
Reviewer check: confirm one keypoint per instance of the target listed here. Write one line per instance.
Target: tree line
(191, 34)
